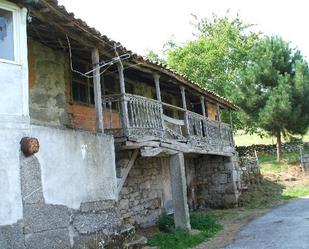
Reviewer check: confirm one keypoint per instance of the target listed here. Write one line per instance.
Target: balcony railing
(131, 115)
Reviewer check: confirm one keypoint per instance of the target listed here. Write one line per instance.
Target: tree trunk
(278, 145)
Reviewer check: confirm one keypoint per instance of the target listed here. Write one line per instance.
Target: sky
(142, 25)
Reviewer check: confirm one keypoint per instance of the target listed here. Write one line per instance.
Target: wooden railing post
(156, 78)
(202, 99)
(97, 90)
(184, 106)
(124, 106)
(219, 117)
(232, 128)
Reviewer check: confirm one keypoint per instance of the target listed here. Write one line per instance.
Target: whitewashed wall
(14, 118)
(76, 166)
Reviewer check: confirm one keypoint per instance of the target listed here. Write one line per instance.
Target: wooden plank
(127, 170)
(136, 145)
(97, 90)
(173, 120)
(150, 151)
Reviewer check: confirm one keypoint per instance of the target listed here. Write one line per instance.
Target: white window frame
(16, 34)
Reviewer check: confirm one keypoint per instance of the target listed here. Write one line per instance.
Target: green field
(242, 139)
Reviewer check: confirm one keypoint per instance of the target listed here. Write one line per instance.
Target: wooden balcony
(136, 117)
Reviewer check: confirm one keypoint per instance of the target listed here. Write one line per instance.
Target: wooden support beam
(218, 112)
(127, 170)
(157, 82)
(184, 106)
(63, 30)
(150, 151)
(219, 119)
(97, 91)
(202, 99)
(183, 96)
(124, 106)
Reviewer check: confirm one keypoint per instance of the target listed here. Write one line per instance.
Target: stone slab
(31, 184)
(38, 218)
(55, 239)
(96, 206)
(11, 236)
(94, 222)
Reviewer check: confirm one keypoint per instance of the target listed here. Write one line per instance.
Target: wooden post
(219, 117)
(97, 90)
(184, 106)
(156, 78)
(157, 82)
(124, 106)
(202, 99)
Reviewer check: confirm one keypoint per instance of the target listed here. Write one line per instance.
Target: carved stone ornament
(29, 145)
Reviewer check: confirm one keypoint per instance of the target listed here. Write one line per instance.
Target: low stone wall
(269, 148)
(249, 171)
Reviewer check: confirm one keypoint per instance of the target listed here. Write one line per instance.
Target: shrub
(166, 223)
(202, 221)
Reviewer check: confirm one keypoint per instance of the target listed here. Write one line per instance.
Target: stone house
(122, 139)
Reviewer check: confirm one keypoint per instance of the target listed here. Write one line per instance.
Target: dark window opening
(82, 87)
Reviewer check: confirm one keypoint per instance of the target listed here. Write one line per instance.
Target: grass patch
(242, 139)
(269, 164)
(172, 238)
(280, 182)
(300, 189)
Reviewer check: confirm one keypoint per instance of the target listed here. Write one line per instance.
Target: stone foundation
(217, 181)
(140, 200)
(212, 181)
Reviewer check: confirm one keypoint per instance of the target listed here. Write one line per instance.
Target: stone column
(179, 192)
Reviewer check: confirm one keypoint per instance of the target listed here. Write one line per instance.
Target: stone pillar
(179, 192)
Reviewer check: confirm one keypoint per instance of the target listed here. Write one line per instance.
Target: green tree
(274, 90)
(215, 58)
(153, 56)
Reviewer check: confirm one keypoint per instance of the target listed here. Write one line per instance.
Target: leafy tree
(274, 90)
(216, 56)
(153, 56)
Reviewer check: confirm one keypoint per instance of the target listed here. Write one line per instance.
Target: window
(82, 87)
(6, 35)
(109, 84)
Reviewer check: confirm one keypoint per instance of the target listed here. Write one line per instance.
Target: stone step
(127, 232)
(138, 242)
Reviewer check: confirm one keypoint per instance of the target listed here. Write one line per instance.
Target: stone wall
(48, 76)
(269, 148)
(249, 171)
(217, 181)
(212, 181)
(140, 199)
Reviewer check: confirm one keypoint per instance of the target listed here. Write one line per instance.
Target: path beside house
(284, 227)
